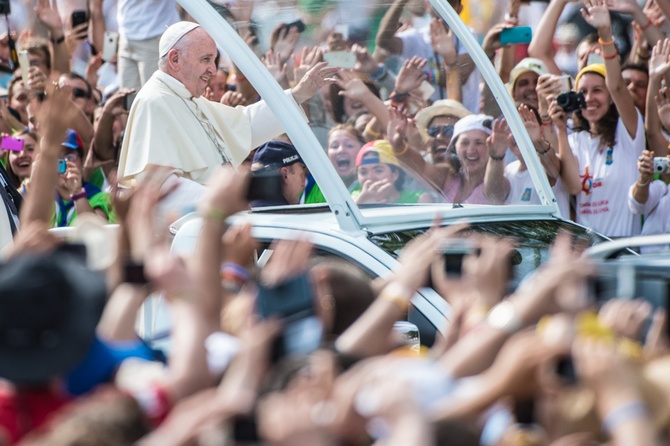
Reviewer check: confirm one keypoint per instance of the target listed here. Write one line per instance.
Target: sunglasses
(80, 93)
(445, 130)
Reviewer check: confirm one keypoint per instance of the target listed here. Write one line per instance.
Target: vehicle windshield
(531, 248)
(411, 118)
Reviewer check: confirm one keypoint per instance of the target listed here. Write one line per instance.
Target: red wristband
(645, 27)
(613, 56)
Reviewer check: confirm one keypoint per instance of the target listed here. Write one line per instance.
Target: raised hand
(289, 259)
(75, 36)
(364, 61)
(396, 130)
(308, 58)
(596, 14)
(557, 114)
(48, 14)
(622, 6)
(645, 166)
(287, 39)
(318, 76)
(530, 122)
(491, 41)
(442, 41)
(497, 142)
(352, 86)
(659, 63)
(276, 67)
(410, 75)
(662, 100)
(374, 191)
(233, 98)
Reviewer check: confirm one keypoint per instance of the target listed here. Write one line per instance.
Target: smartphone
(109, 45)
(454, 252)
(245, 429)
(515, 35)
(10, 143)
(565, 83)
(298, 25)
(62, 166)
(427, 90)
(78, 17)
(594, 58)
(128, 100)
(265, 185)
(24, 64)
(292, 302)
(340, 59)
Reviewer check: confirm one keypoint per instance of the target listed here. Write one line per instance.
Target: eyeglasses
(80, 93)
(445, 130)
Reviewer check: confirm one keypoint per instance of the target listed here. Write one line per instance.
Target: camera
(661, 164)
(571, 101)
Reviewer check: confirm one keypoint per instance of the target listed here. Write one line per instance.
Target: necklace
(206, 125)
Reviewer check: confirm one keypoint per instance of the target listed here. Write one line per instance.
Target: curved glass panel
(418, 113)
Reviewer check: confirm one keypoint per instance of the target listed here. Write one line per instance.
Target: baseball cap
(528, 64)
(50, 306)
(472, 122)
(72, 140)
(378, 151)
(441, 107)
(275, 154)
(172, 35)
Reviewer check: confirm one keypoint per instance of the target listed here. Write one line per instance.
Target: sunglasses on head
(445, 130)
(80, 93)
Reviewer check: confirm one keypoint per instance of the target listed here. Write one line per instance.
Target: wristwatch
(504, 317)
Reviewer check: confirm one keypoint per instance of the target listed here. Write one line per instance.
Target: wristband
(379, 74)
(57, 40)
(234, 271)
(495, 158)
(396, 294)
(621, 414)
(398, 98)
(646, 26)
(77, 196)
(133, 272)
(605, 43)
(215, 215)
(638, 184)
(613, 56)
(402, 152)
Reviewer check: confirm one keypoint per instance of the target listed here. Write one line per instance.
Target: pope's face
(196, 62)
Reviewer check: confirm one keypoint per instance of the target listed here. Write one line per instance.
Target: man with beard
(523, 81)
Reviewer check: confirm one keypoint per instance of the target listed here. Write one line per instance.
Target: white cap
(172, 35)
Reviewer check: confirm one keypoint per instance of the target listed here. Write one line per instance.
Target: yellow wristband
(215, 215)
(396, 294)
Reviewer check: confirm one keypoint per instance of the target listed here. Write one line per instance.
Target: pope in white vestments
(171, 124)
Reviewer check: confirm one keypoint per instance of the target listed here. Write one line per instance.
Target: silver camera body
(661, 164)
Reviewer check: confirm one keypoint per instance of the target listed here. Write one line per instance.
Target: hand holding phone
(340, 59)
(62, 166)
(109, 45)
(11, 143)
(128, 100)
(78, 17)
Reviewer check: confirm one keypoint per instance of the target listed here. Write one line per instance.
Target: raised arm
(541, 44)
(659, 66)
(49, 16)
(569, 164)
(597, 14)
(496, 185)
(386, 38)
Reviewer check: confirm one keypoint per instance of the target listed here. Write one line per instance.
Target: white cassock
(168, 127)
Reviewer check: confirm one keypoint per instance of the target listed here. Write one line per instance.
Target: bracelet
(372, 133)
(398, 97)
(637, 183)
(379, 74)
(545, 118)
(77, 196)
(215, 215)
(133, 273)
(397, 294)
(546, 123)
(648, 24)
(643, 57)
(621, 414)
(402, 152)
(602, 42)
(233, 270)
(546, 151)
(495, 158)
(57, 40)
(613, 56)
(511, 19)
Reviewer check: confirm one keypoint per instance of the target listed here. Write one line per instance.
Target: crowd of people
(135, 116)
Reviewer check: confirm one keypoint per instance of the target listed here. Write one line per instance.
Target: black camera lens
(571, 101)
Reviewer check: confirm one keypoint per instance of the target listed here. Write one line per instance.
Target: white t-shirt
(522, 190)
(145, 19)
(656, 212)
(416, 42)
(606, 177)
